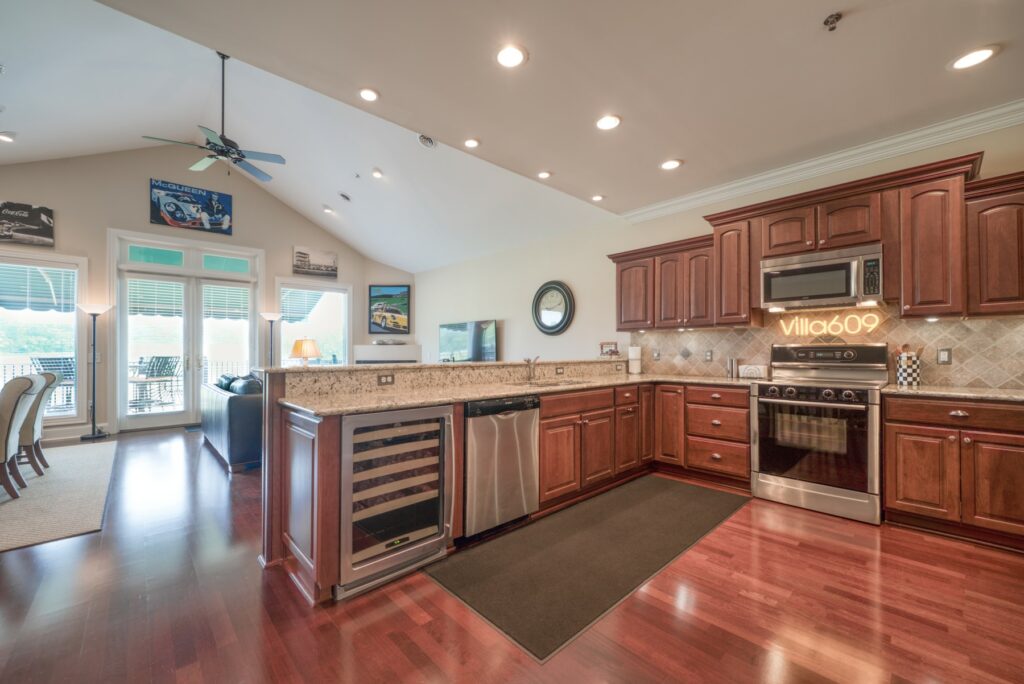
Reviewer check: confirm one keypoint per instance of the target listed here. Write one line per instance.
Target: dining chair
(16, 397)
(32, 427)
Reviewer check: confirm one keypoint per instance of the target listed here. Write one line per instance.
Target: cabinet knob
(628, 395)
(716, 422)
(821, 242)
(716, 395)
(716, 457)
(952, 438)
(810, 242)
(967, 440)
(959, 414)
(586, 422)
(906, 307)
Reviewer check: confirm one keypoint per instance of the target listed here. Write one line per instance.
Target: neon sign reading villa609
(853, 323)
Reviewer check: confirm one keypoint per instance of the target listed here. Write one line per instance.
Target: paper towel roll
(634, 366)
(634, 352)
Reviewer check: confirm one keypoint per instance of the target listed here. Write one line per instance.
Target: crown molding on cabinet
(952, 130)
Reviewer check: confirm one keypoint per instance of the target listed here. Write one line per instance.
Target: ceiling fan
(224, 148)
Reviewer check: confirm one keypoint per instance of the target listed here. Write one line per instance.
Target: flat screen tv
(470, 341)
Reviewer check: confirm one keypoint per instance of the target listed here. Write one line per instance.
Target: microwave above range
(828, 279)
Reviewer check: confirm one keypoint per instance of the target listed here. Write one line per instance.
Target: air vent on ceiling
(344, 197)
(427, 141)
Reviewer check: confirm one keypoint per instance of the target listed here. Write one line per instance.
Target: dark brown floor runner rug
(545, 582)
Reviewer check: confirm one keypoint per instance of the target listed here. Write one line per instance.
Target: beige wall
(90, 194)
(502, 285)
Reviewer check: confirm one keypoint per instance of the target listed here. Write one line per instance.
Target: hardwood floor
(170, 590)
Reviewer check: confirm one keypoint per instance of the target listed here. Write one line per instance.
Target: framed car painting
(389, 309)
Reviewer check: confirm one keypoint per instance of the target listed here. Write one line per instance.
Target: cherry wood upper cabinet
(850, 221)
(788, 232)
(993, 480)
(669, 433)
(922, 470)
(646, 422)
(698, 288)
(635, 294)
(627, 437)
(597, 446)
(995, 254)
(732, 273)
(669, 290)
(932, 247)
(559, 457)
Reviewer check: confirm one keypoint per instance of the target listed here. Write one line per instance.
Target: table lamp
(305, 349)
(95, 311)
(271, 317)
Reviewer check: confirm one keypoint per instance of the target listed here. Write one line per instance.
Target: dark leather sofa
(232, 420)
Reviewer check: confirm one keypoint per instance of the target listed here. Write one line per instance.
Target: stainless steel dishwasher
(501, 461)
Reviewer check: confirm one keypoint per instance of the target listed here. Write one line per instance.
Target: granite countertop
(951, 392)
(411, 398)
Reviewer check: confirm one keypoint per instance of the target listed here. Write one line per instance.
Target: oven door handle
(797, 402)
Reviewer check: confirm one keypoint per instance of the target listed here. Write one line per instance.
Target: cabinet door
(668, 290)
(698, 288)
(668, 442)
(732, 273)
(646, 423)
(993, 480)
(559, 457)
(634, 292)
(932, 248)
(922, 470)
(598, 446)
(850, 221)
(995, 254)
(627, 438)
(788, 232)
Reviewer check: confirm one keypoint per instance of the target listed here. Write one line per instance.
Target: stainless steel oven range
(816, 431)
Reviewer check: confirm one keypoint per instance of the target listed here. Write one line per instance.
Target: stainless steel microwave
(832, 278)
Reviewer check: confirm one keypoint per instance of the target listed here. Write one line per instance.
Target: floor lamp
(271, 318)
(95, 311)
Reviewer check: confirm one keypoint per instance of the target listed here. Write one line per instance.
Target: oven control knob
(849, 354)
(849, 395)
(773, 391)
(828, 394)
(790, 392)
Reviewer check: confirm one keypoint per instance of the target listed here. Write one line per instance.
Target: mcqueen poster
(182, 206)
(26, 224)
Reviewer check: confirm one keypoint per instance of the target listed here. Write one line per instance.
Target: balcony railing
(63, 400)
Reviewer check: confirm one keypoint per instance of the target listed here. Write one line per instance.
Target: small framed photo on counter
(609, 349)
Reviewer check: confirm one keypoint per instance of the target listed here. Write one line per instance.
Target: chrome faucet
(531, 366)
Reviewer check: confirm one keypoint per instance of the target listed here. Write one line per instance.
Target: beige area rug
(68, 500)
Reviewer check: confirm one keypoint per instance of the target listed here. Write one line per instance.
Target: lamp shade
(271, 316)
(305, 348)
(94, 309)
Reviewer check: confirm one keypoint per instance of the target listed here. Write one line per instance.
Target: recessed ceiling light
(377, 173)
(597, 198)
(511, 56)
(328, 210)
(974, 58)
(671, 164)
(544, 175)
(369, 94)
(7, 136)
(608, 122)
(932, 319)
(472, 143)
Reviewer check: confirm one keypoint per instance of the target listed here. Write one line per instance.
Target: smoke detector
(427, 141)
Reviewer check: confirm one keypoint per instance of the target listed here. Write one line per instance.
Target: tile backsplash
(986, 352)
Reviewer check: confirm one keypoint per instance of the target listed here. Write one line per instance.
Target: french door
(176, 333)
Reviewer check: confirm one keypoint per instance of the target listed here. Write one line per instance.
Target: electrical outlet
(709, 355)
(618, 366)
(388, 379)
(656, 354)
(559, 370)
(945, 357)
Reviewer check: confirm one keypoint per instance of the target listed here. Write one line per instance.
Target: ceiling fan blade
(173, 142)
(252, 170)
(212, 136)
(263, 156)
(203, 164)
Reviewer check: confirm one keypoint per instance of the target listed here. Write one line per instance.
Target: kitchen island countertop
(951, 392)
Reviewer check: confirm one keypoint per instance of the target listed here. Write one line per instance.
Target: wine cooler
(396, 494)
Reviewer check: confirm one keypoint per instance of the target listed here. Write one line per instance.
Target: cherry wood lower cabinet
(993, 480)
(627, 437)
(597, 446)
(922, 470)
(647, 423)
(560, 457)
(669, 434)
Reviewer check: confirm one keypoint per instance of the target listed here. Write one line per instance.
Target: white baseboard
(58, 434)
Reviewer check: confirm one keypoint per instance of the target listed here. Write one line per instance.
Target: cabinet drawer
(718, 396)
(956, 414)
(575, 402)
(628, 394)
(728, 458)
(721, 423)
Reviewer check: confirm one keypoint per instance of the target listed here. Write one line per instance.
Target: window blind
(156, 298)
(226, 302)
(38, 288)
(296, 304)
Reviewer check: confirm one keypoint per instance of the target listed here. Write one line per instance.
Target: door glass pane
(38, 326)
(321, 315)
(225, 331)
(156, 343)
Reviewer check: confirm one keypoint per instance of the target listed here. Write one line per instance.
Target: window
(225, 264)
(142, 254)
(38, 328)
(319, 314)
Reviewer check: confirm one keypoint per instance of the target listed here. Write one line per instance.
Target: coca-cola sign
(26, 224)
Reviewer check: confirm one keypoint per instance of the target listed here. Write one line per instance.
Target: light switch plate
(709, 355)
(656, 354)
(944, 357)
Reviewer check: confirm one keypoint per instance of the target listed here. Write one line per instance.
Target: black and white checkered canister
(908, 370)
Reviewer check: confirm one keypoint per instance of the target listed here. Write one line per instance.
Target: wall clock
(553, 307)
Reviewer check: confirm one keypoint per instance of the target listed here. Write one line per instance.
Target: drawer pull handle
(952, 438)
(627, 395)
(967, 440)
(716, 457)
(716, 422)
(716, 395)
(959, 414)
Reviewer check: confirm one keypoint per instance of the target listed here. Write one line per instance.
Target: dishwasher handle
(491, 407)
